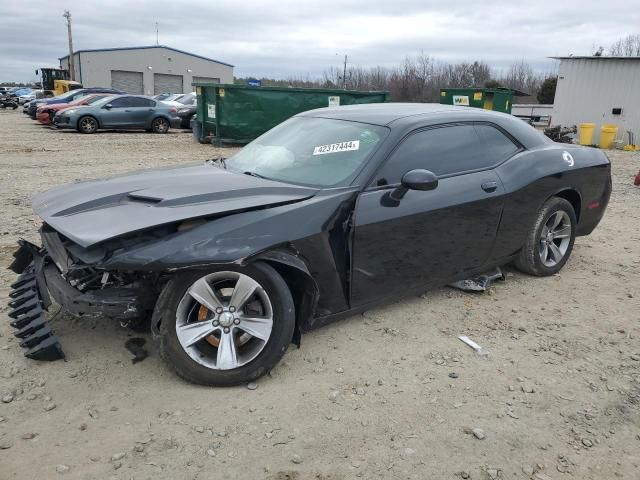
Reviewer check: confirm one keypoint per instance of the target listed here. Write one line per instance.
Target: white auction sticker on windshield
(337, 147)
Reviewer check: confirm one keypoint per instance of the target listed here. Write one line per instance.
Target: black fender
(296, 274)
(304, 289)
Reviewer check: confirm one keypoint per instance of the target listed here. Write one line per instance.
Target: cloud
(294, 38)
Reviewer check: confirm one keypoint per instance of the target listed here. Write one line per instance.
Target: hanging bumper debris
(29, 301)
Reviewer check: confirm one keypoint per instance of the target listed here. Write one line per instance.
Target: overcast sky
(298, 38)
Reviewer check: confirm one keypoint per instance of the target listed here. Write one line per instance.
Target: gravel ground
(391, 393)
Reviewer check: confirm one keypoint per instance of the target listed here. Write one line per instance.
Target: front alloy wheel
(225, 327)
(224, 320)
(87, 125)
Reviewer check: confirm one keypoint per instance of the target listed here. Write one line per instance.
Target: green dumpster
(497, 99)
(236, 114)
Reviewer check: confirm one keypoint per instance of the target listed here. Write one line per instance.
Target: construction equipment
(561, 134)
(55, 81)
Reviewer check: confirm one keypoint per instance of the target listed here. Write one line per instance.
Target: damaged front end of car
(74, 278)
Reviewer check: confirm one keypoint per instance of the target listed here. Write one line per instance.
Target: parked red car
(45, 113)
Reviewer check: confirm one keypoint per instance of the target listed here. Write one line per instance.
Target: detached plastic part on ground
(479, 283)
(28, 316)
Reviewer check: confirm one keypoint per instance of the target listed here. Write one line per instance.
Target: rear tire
(87, 124)
(550, 241)
(160, 125)
(200, 361)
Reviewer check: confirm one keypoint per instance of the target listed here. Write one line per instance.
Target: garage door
(130, 82)
(204, 80)
(163, 83)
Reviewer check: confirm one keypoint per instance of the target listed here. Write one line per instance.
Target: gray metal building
(146, 70)
(599, 90)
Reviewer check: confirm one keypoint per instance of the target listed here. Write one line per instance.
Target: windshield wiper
(257, 175)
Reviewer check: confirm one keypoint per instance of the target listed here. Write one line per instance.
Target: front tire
(227, 326)
(550, 240)
(87, 124)
(160, 125)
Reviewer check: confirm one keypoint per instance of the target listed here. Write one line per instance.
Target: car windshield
(92, 100)
(103, 100)
(67, 95)
(309, 151)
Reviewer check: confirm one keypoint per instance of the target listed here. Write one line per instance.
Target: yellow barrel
(586, 133)
(607, 135)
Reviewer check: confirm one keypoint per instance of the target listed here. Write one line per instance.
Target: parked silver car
(120, 112)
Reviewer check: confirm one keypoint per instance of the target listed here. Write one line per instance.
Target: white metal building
(599, 90)
(146, 70)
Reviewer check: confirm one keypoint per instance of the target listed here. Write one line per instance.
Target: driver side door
(116, 115)
(429, 237)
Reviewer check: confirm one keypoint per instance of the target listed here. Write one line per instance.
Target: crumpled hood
(91, 212)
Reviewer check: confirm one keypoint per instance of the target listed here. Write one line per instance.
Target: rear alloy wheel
(551, 239)
(160, 125)
(87, 125)
(225, 327)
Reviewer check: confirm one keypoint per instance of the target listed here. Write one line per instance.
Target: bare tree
(418, 79)
(628, 46)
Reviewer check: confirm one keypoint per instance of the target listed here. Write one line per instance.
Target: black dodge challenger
(331, 212)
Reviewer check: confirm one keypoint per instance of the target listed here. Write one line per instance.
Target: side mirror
(417, 179)
(108, 106)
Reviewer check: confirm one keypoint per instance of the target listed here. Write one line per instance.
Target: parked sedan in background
(45, 113)
(167, 96)
(68, 97)
(186, 105)
(120, 112)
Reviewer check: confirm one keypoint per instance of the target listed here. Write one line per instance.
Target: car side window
(121, 102)
(442, 150)
(499, 147)
(446, 150)
(142, 102)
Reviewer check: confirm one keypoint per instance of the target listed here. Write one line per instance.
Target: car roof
(406, 116)
(380, 113)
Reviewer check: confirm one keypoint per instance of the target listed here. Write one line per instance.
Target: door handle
(490, 186)
(128, 111)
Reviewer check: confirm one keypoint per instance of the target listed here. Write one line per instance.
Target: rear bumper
(175, 122)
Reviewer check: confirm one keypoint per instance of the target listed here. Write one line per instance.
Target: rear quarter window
(498, 146)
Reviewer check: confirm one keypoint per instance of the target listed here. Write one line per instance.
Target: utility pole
(72, 69)
(344, 74)
(157, 42)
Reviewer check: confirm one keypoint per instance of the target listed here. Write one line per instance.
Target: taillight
(173, 110)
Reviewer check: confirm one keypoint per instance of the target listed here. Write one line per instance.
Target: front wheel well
(303, 290)
(573, 197)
